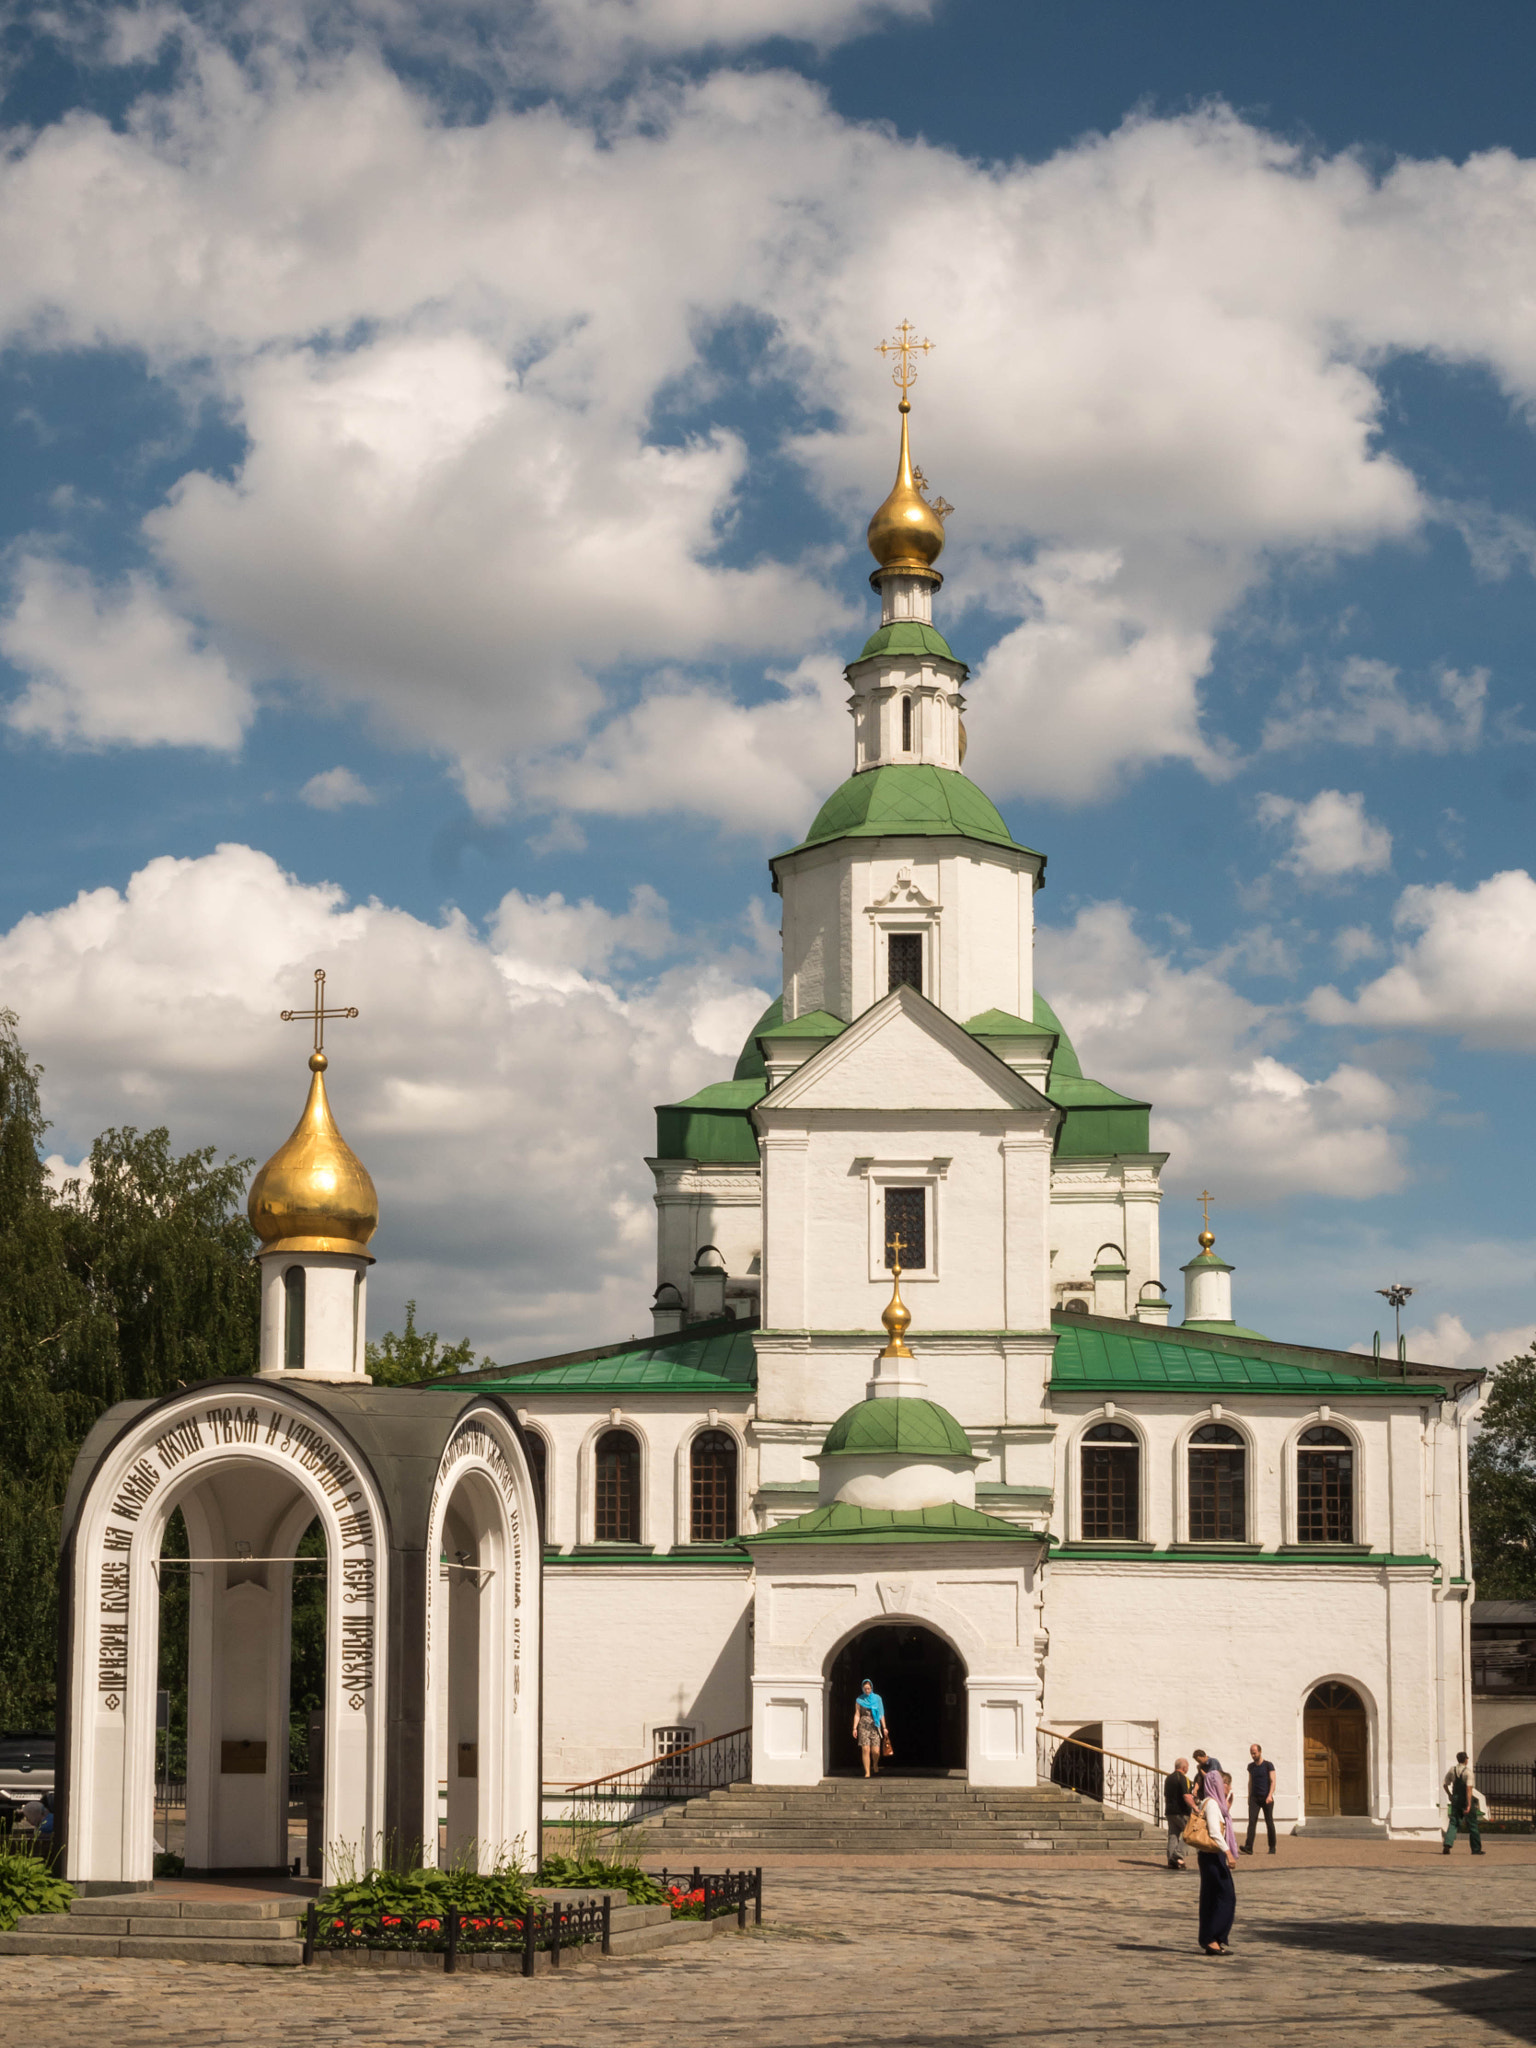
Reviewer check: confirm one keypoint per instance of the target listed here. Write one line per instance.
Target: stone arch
(481, 1713)
(921, 1676)
(250, 1468)
(1337, 1727)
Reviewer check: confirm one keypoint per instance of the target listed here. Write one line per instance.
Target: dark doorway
(922, 1681)
(1337, 1752)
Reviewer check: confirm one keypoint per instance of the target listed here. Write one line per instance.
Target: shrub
(27, 1885)
(592, 1873)
(423, 1894)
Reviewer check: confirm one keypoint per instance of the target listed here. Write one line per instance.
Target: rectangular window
(906, 1217)
(1325, 1497)
(906, 961)
(1217, 1509)
(1111, 1511)
(669, 1743)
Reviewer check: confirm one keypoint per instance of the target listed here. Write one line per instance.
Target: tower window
(293, 1319)
(905, 957)
(1218, 1470)
(906, 1217)
(906, 725)
(1111, 1484)
(713, 1489)
(618, 1487)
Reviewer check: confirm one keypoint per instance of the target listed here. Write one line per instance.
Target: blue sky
(437, 446)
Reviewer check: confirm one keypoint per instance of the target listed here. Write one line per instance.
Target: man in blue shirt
(1261, 1796)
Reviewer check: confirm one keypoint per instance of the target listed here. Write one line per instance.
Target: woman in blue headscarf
(1218, 1894)
(869, 1727)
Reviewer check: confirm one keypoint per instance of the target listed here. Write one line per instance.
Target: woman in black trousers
(1218, 1894)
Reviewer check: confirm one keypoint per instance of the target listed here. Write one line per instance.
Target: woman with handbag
(869, 1729)
(1210, 1835)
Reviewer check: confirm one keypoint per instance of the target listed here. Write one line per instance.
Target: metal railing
(622, 1797)
(710, 1895)
(1510, 1790)
(453, 1932)
(1100, 1774)
(1506, 1670)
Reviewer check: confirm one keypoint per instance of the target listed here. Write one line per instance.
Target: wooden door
(1336, 1741)
(1322, 1769)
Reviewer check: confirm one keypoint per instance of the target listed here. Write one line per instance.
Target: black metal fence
(1100, 1774)
(553, 1925)
(715, 1893)
(1510, 1790)
(661, 1781)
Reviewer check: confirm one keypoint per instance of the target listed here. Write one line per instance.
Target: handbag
(1197, 1835)
(885, 1744)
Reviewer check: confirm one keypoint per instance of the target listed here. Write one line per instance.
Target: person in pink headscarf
(1218, 1893)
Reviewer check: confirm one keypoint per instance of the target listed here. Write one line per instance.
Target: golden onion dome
(314, 1194)
(906, 532)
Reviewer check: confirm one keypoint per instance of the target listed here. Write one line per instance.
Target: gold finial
(317, 1014)
(897, 1317)
(314, 1194)
(907, 533)
(904, 348)
(1207, 1236)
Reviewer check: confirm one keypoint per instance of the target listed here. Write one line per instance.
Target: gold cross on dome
(1205, 1199)
(904, 348)
(317, 1013)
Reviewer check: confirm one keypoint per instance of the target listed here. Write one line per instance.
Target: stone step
(208, 1927)
(155, 1948)
(676, 1934)
(163, 1906)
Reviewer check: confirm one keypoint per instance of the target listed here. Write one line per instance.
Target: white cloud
(1470, 970)
(1331, 836)
(1367, 706)
(1447, 1341)
(458, 349)
(334, 788)
(1223, 1104)
(499, 1088)
(114, 666)
(1355, 942)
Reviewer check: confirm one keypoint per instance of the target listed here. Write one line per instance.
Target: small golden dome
(314, 1194)
(906, 533)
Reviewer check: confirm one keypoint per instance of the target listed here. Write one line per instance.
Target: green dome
(749, 1067)
(899, 1428)
(908, 636)
(891, 801)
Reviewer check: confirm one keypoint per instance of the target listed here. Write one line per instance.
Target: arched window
(293, 1319)
(712, 1491)
(1325, 1486)
(1111, 1490)
(906, 725)
(618, 1487)
(538, 1465)
(1218, 1474)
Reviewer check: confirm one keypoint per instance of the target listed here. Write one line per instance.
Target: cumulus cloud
(1331, 836)
(1447, 1341)
(1223, 1103)
(114, 665)
(1366, 705)
(498, 1084)
(334, 789)
(1466, 965)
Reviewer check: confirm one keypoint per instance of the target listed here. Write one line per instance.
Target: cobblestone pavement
(1406, 1953)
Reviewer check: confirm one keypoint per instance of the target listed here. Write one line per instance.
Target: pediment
(905, 1053)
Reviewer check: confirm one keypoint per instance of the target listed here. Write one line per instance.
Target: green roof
(908, 636)
(1091, 1358)
(896, 801)
(901, 1427)
(1098, 1120)
(714, 1125)
(711, 1358)
(814, 1024)
(841, 1523)
(749, 1064)
(1003, 1024)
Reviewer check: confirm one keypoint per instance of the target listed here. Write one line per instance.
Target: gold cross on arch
(317, 1013)
(904, 348)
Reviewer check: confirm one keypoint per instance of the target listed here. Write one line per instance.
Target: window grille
(1325, 1487)
(667, 1745)
(1111, 1484)
(1218, 1470)
(906, 725)
(713, 1493)
(617, 1519)
(293, 1319)
(906, 1217)
(905, 959)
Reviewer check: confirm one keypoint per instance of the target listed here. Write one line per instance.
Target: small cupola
(1208, 1286)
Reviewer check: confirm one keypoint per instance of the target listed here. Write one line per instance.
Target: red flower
(428, 1926)
(391, 1920)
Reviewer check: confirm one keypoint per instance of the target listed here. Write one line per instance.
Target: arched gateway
(428, 1509)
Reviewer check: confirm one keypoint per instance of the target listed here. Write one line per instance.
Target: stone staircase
(165, 1928)
(891, 1816)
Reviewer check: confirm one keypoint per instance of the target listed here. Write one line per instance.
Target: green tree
(126, 1284)
(416, 1355)
(1502, 1498)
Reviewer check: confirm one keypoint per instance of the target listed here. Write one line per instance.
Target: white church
(1045, 1509)
(1034, 1511)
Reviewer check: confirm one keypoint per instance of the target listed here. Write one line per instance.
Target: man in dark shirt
(1261, 1796)
(1177, 1805)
